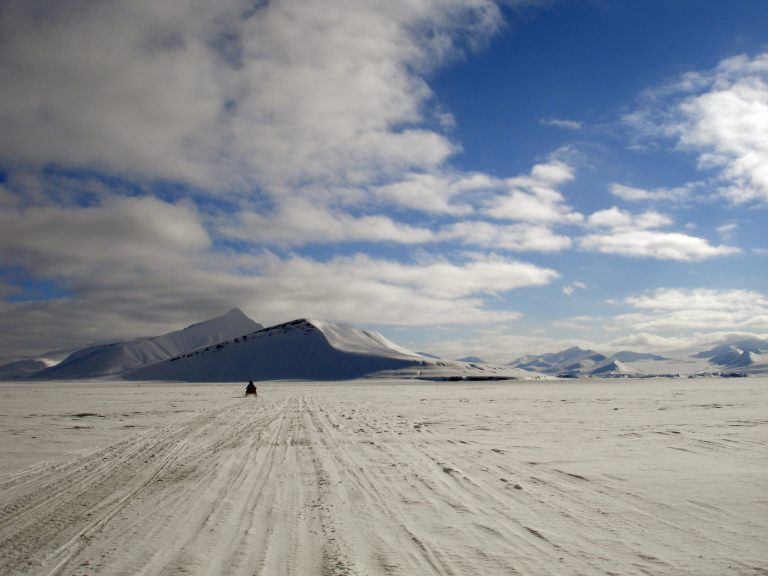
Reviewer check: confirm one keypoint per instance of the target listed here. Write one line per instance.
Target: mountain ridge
(737, 357)
(307, 349)
(116, 358)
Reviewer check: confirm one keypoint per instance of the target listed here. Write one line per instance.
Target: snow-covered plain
(385, 477)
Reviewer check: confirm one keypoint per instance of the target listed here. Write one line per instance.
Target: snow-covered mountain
(577, 362)
(21, 369)
(628, 356)
(310, 350)
(745, 355)
(572, 362)
(119, 357)
(471, 359)
(740, 357)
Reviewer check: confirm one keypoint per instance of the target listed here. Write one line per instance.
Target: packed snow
(652, 477)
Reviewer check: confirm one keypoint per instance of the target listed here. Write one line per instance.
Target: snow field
(656, 477)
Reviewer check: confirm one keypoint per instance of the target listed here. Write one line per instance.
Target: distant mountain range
(472, 359)
(574, 362)
(741, 357)
(233, 347)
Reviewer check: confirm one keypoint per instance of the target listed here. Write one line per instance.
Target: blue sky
(466, 176)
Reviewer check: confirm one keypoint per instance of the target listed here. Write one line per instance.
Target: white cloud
(679, 344)
(135, 266)
(512, 237)
(617, 219)
(569, 289)
(722, 116)
(482, 274)
(226, 97)
(667, 309)
(648, 342)
(297, 222)
(626, 234)
(435, 193)
(534, 198)
(560, 123)
(726, 230)
(361, 289)
(634, 194)
(499, 346)
(145, 233)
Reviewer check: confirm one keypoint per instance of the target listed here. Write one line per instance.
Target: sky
(478, 177)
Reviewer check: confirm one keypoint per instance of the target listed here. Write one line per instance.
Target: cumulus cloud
(648, 342)
(138, 266)
(55, 242)
(616, 231)
(535, 197)
(319, 112)
(229, 95)
(721, 115)
(363, 289)
(513, 237)
(437, 193)
(309, 218)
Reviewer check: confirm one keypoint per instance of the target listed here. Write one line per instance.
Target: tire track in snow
(316, 480)
(52, 508)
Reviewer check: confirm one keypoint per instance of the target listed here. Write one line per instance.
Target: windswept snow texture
(385, 478)
(119, 357)
(306, 350)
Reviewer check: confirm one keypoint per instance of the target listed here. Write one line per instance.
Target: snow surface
(658, 477)
(310, 350)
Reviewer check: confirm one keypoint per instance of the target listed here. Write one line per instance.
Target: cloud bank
(163, 159)
(231, 94)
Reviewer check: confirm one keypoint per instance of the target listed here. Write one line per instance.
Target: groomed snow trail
(405, 480)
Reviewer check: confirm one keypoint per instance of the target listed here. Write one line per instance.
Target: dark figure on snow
(250, 389)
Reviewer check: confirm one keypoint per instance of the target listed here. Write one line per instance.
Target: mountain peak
(119, 357)
(573, 349)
